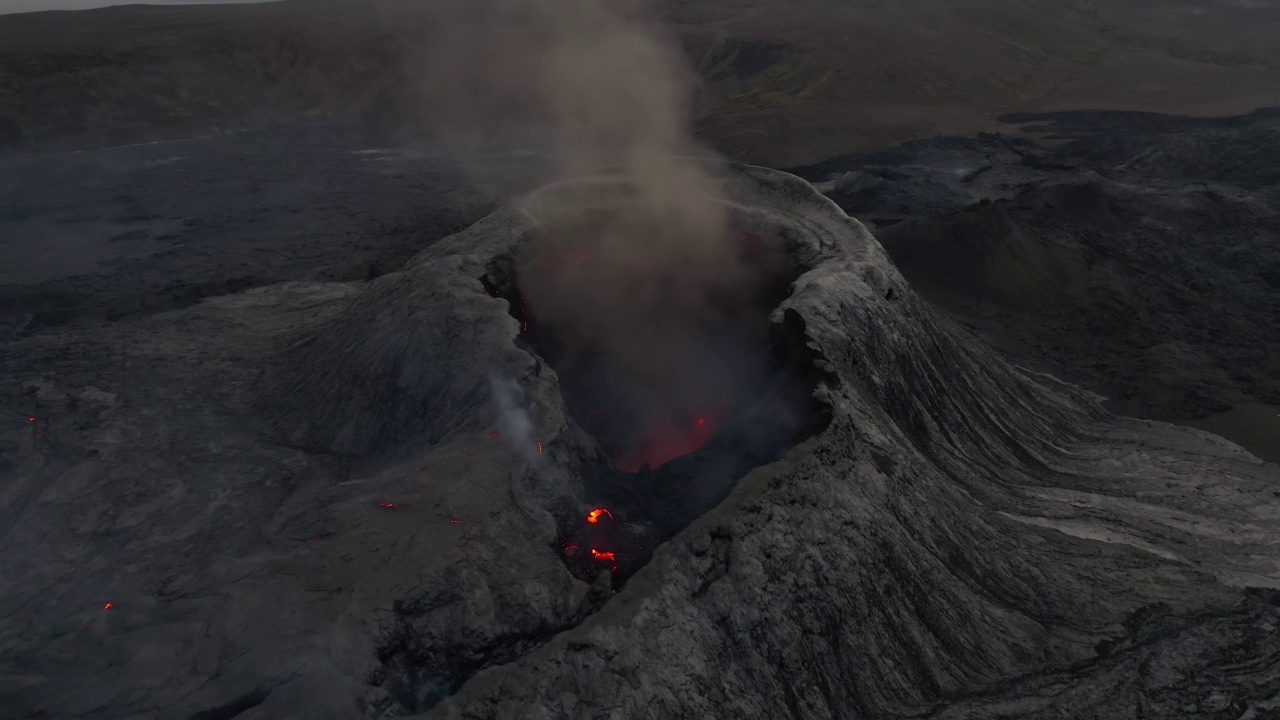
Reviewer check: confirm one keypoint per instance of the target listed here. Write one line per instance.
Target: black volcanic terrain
(310, 409)
(1137, 256)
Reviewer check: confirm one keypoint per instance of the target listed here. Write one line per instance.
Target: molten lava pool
(668, 442)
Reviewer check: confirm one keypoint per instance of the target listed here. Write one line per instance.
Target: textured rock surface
(293, 502)
(1137, 257)
(961, 524)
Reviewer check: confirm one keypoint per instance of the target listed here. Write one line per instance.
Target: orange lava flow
(601, 555)
(594, 515)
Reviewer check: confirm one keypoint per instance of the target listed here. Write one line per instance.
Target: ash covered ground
(251, 468)
(1136, 255)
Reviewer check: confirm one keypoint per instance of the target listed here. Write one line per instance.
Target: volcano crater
(682, 379)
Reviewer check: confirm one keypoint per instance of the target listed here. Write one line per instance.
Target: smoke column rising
(627, 272)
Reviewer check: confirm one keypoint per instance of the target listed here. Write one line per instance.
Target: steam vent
(832, 502)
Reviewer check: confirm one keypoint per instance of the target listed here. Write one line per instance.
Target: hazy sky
(14, 6)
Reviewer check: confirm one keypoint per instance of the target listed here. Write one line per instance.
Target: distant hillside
(786, 81)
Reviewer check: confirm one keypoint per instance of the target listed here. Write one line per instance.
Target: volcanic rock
(1135, 257)
(962, 528)
(294, 500)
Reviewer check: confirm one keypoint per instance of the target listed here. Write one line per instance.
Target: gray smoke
(515, 426)
(635, 274)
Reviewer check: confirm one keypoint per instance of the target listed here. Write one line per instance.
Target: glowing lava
(665, 444)
(604, 534)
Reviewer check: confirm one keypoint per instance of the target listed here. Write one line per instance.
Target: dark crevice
(417, 670)
(1153, 631)
(416, 680)
(236, 707)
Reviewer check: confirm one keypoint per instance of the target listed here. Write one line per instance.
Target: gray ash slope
(964, 538)
(292, 500)
(1137, 256)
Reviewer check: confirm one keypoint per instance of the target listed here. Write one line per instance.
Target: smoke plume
(632, 267)
(515, 426)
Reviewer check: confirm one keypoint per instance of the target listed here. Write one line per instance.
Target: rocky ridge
(1133, 254)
